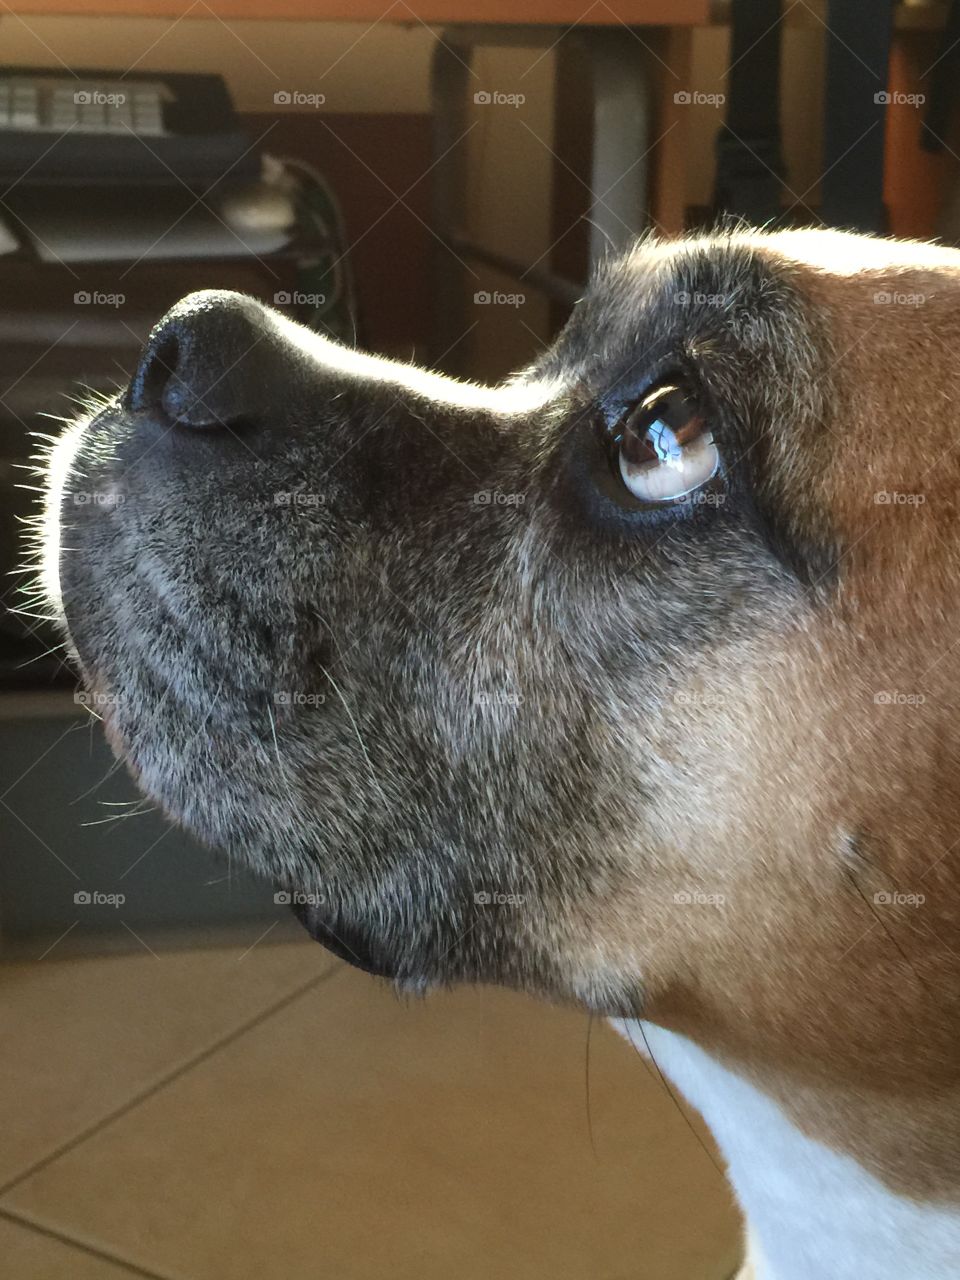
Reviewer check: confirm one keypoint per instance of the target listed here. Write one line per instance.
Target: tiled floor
(271, 1114)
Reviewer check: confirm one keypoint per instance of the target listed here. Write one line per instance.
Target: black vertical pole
(858, 59)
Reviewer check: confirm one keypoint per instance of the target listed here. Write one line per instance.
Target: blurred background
(188, 1088)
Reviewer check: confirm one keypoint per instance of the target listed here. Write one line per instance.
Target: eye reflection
(665, 450)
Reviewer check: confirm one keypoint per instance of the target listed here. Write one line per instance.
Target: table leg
(450, 87)
(618, 179)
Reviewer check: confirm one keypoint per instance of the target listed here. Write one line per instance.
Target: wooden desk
(553, 13)
(909, 15)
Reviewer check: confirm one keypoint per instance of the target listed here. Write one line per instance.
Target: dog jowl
(629, 682)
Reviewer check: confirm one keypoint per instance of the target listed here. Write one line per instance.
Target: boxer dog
(631, 683)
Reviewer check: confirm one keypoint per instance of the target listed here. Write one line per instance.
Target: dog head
(630, 682)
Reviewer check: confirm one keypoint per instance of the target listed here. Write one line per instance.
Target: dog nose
(201, 366)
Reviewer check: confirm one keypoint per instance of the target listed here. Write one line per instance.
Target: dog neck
(812, 1213)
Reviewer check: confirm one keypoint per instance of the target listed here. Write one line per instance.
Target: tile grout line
(92, 1250)
(158, 1085)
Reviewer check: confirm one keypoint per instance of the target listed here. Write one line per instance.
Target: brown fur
(696, 710)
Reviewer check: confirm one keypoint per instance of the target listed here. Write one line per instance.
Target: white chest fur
(813, 1214)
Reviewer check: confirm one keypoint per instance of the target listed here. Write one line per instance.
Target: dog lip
(344, 941)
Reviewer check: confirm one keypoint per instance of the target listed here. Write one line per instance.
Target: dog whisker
(356, 729)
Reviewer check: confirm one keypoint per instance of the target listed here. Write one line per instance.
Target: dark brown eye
(665, 447)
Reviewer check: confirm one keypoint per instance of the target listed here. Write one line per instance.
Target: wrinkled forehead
(709, 306)
(748, 292)
(676, 302)
(812, 339)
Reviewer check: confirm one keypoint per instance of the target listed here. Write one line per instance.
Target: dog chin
(354, 945)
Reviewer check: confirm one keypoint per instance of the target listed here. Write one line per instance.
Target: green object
(325, 294)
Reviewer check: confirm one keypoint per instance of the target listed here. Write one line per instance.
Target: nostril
(171, 378)
(188, 396)
(203, 365)
(156, 366)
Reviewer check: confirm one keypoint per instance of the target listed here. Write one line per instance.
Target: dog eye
(664, 448)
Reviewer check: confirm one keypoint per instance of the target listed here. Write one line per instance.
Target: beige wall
(509, 200)
(357, 68)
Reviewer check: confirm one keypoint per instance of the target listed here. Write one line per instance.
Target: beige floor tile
(356, 1136)
(82, 1036)
(27, 1255)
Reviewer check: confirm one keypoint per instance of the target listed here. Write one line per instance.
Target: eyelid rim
(629, 390)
